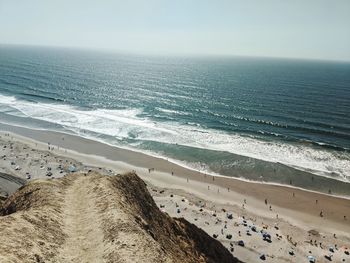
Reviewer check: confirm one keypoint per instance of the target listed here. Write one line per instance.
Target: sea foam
(128, 124)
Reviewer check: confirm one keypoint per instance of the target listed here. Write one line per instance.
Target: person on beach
(265, 201)
(321, 213)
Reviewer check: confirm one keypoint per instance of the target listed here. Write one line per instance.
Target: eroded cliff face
(97, 218)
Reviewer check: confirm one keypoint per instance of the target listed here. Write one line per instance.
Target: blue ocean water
(262, 119)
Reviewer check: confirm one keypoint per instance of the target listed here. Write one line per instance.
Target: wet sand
(334, 208)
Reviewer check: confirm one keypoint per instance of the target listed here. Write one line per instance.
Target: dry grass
(96, 218)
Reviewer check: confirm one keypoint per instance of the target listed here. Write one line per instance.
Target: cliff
(97, 218)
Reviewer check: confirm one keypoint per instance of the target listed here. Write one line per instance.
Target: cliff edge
(96, 218)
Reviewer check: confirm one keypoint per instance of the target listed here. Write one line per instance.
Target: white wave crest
(127, 124)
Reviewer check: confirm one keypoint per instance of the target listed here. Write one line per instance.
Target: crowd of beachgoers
(249, 234)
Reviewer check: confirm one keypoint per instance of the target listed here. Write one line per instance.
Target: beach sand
(292, 216)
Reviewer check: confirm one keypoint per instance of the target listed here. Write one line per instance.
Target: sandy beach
(300, 223)
(175, 131)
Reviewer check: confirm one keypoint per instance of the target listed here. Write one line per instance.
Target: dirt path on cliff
(97, 218)
(84, 242)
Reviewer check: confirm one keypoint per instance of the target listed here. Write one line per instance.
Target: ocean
(280, 121)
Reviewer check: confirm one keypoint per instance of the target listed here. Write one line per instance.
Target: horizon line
(175, 54)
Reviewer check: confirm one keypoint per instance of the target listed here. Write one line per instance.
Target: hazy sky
(278, 28)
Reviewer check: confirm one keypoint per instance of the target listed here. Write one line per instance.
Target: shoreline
(279, 197)
(289, 215)
(30, 133)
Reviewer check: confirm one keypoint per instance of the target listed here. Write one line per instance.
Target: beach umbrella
(241, 243)
(328, 257)
(266, 237)
(72, 168)
(311, 259)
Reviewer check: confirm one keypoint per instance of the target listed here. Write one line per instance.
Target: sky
(314, 29)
